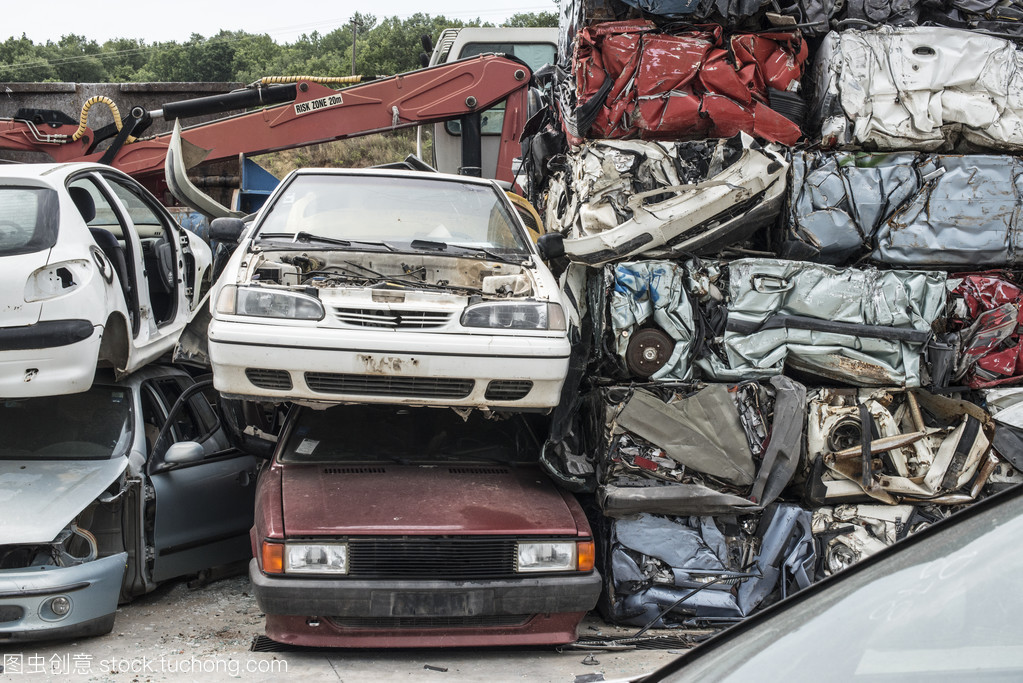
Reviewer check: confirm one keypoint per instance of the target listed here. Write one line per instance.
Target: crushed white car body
(387, 286)
(926, 89)
(95, 271)
(620, 198)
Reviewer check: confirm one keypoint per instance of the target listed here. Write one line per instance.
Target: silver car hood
(39, 498)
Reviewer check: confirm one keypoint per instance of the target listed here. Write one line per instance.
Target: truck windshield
(29, 222)
(396, 211)
(364, 433)
(93, 425)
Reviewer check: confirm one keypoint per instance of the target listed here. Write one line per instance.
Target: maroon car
(379, 526)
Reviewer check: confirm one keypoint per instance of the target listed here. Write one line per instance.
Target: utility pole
(355, 29)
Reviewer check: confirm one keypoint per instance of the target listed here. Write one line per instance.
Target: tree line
(388, 46)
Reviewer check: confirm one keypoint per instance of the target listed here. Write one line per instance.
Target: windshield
(942, 608)
(394, 212)
(93, 425)
(363, 433)
(28, 219)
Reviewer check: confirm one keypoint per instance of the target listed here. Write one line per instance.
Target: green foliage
(533, 20)
(388, 46)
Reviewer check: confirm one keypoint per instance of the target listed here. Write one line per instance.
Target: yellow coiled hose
(84, 118)
(342, 80)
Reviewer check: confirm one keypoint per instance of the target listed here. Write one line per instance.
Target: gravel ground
(178, 633)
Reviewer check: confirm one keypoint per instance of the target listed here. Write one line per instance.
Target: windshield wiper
(302, 236)
(430, 245)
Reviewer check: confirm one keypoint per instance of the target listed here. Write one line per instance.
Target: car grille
(508, 389)
(431, 558)
(431, 622)
(392, 319)
(383, 385)
(269, 379)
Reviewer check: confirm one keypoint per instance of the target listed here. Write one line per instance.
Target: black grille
(269, 379)
(431, 558)
(355, 470)
(431, 622)
(392, 319)
(11, 613)
(382, 385)
(508, 389)
(477, 470)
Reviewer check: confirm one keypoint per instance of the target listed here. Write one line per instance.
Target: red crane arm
(318, 114)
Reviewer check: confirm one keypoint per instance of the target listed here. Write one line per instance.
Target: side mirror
(550, 246)
(183, 452)
(227, 229)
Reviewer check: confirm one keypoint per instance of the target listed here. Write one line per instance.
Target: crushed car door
(203, 505)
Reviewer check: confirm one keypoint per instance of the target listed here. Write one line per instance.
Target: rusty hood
(469, 499)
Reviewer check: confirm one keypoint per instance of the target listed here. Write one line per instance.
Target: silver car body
(89, 523)
(924, 88)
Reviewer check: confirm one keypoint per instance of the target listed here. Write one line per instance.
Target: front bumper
(320, 611)
(48, 358)
(338, 365)
(92, 589)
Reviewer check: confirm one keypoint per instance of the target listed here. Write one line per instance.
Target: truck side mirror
(226, 229)
(550, 246)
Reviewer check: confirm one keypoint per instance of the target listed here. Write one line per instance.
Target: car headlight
(268, 303)
(58, 279)
(512, 315)
(315, 558)
(547, 556)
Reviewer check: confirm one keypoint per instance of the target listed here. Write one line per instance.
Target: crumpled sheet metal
(861, 326)
(926, 89)
(654, 292)
(655, 561)
(1006, 408)
(632, 79)
(924, 447)
(850, 533)
(620, 198)
(704, 433)
(905, 209)
(698, 10)
(989, 15)
(989, 318)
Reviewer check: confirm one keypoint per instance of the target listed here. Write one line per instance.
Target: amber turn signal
(585, 556)
(273, 558)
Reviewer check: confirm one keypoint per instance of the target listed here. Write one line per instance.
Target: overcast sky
(283, 21)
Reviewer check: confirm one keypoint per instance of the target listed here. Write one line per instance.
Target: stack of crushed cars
(793, 237)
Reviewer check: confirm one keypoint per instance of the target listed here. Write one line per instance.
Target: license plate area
(431, 604)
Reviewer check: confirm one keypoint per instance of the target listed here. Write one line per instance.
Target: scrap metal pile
(792, 242)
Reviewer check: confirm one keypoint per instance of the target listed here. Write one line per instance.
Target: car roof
(395, 173)
(49, 172)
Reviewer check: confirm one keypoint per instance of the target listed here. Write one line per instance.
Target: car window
(395, 210)
(535, 55)
(364, 433)
(193, 419)
(106, 217)
(92, 425)
(29, 219)
(939, 608)
(147, 219)
(188, 425)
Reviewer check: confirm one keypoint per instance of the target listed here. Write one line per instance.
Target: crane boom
(317, 114)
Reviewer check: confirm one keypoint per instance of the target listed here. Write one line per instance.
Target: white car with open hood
(387, 286)
(93, 271)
